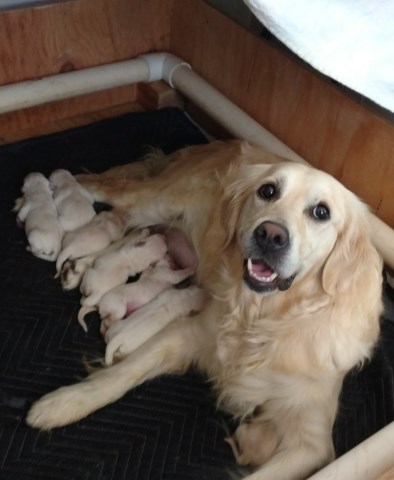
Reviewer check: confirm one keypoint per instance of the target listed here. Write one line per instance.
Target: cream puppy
(105, 228)
(127, 335)
(74, 204)
(74, 269)
(125, 299)
(38, 213)
(114, 268)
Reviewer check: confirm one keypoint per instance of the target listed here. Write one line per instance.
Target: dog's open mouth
(260, 277)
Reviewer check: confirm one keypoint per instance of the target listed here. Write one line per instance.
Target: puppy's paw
(18, 204)
(61, 407)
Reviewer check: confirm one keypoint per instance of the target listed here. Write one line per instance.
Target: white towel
(351, 41)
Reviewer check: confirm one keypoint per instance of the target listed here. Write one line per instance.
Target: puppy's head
(34, 181)
(290, 220)
(59, 177)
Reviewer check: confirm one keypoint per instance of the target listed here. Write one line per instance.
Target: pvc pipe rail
(367, 461)
(71, 84)
(146, 68)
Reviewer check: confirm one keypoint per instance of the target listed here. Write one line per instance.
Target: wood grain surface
(68, 36)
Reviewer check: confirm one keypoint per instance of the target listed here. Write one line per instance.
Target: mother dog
(285, 253)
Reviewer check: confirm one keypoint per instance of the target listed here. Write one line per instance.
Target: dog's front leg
(292, 448)
(170, 351)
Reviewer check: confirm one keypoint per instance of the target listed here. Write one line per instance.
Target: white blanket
(351, 41)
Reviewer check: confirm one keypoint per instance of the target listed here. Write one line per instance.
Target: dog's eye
(321, 212)
(268, 191)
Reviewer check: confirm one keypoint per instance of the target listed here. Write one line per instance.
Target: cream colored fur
(113, 306)
(38, 212)
(99, 233)
(114, 268)
(276, 360)
(73, 203)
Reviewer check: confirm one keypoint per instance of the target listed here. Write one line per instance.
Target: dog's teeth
(269, 279)
(250, 265)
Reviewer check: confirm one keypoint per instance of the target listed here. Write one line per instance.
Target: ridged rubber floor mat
(166, 429)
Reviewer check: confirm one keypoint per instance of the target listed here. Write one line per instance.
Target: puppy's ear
(353, 263)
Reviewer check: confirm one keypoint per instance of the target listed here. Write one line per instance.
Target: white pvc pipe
(178, 74)
(367, 461)
(71, 84)
(227, 114)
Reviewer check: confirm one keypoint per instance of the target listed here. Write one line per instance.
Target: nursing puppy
(105, 228)
(125, 299)
(123, 337)
(37, 211)
(73, 271)
(74, 204)
(286, 254)
(116, 267)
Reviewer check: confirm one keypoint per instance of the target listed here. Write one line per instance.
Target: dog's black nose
(271, 236)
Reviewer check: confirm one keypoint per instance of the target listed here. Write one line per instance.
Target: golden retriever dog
(124, 336)
(37, 212)
(123, 300)
(114, 268)
(98, 234)
(73, 270)
(74, 204)
(285, 253)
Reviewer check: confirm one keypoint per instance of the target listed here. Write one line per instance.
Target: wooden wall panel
(68, 36)
(23, 120)
(305, 110)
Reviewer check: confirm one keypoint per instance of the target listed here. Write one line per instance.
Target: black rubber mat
(166, 429)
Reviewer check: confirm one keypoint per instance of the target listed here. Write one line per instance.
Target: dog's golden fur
(276, 359)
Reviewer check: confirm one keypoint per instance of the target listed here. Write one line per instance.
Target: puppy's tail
(81, 315)
(63, 256)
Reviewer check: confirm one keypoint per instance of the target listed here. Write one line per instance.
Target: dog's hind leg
(167, 352)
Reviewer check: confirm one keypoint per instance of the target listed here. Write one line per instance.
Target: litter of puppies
(99, 252)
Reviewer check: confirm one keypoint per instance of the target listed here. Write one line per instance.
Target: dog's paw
(253, 443)
(56, 409)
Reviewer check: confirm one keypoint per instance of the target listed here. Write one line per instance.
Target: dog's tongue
(260, 268)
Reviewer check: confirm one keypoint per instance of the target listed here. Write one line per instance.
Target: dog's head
(289, 220)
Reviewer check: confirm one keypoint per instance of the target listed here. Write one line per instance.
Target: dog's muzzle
(269, 246)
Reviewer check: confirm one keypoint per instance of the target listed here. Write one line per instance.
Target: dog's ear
(238, 185)
(353, 262)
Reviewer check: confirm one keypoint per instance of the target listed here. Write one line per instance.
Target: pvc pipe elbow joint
(162, 66)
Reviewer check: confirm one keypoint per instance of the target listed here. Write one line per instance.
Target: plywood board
(36, 42)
